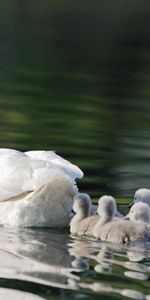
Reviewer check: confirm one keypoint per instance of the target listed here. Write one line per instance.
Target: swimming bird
(117, 213)
(117, 231)
(36, 188)
(82, 223)
(106, 210)
(139, 212)
(141, 195)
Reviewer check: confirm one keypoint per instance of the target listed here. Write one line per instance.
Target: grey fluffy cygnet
(82, 223)
(107, 210)
(117, 231)
(139, 212)
(141, 195)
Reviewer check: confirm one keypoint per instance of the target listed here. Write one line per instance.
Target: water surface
(51, 264)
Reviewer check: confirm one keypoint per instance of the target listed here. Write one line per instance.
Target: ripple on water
(58, 262)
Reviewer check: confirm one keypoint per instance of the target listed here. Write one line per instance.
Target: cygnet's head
(107, 205)
(141, 195)
(82, 203)
(139, 212)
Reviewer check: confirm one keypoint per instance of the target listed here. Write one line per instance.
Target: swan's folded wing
(20, 173)
(68, 168)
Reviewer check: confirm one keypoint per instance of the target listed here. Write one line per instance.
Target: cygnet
(118, 214)
(82, 223)
(141, 195)
(106, 210)
(139, 212)
(117, 231)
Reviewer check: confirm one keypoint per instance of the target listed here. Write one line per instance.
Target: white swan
(117, 231)
(139, 212)
(36, 188)
(82, 223)
(141, 195)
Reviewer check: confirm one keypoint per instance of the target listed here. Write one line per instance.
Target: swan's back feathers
(20, 172)
(68, 168)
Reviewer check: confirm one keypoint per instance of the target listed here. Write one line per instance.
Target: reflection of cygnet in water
(139, 212)
(104, 288)
(104, 259)
(80, 263)
(82, 222)
(137, 254)
(10, 294)
(118, 231)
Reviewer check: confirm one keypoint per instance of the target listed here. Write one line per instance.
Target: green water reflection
(50, 264)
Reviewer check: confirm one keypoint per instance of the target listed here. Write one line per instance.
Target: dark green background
(74, 78)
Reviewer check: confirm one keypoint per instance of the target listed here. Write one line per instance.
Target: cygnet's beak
(93, 209)
(95, 212)
(130, 205)
(126, 217)
(72, 213)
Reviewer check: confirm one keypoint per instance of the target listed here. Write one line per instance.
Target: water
(51, 264)
(74, 78)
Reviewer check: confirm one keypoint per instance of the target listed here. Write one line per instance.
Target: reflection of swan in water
(118, 231)
(10, 294)
(139, 212)
(37, 188)
(39, 256)
(52, 258)
(82, 223)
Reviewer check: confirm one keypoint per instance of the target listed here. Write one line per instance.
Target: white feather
(36, 188)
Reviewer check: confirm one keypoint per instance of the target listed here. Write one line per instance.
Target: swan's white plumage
(36, 188)
(22, 172)
(68, 168)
